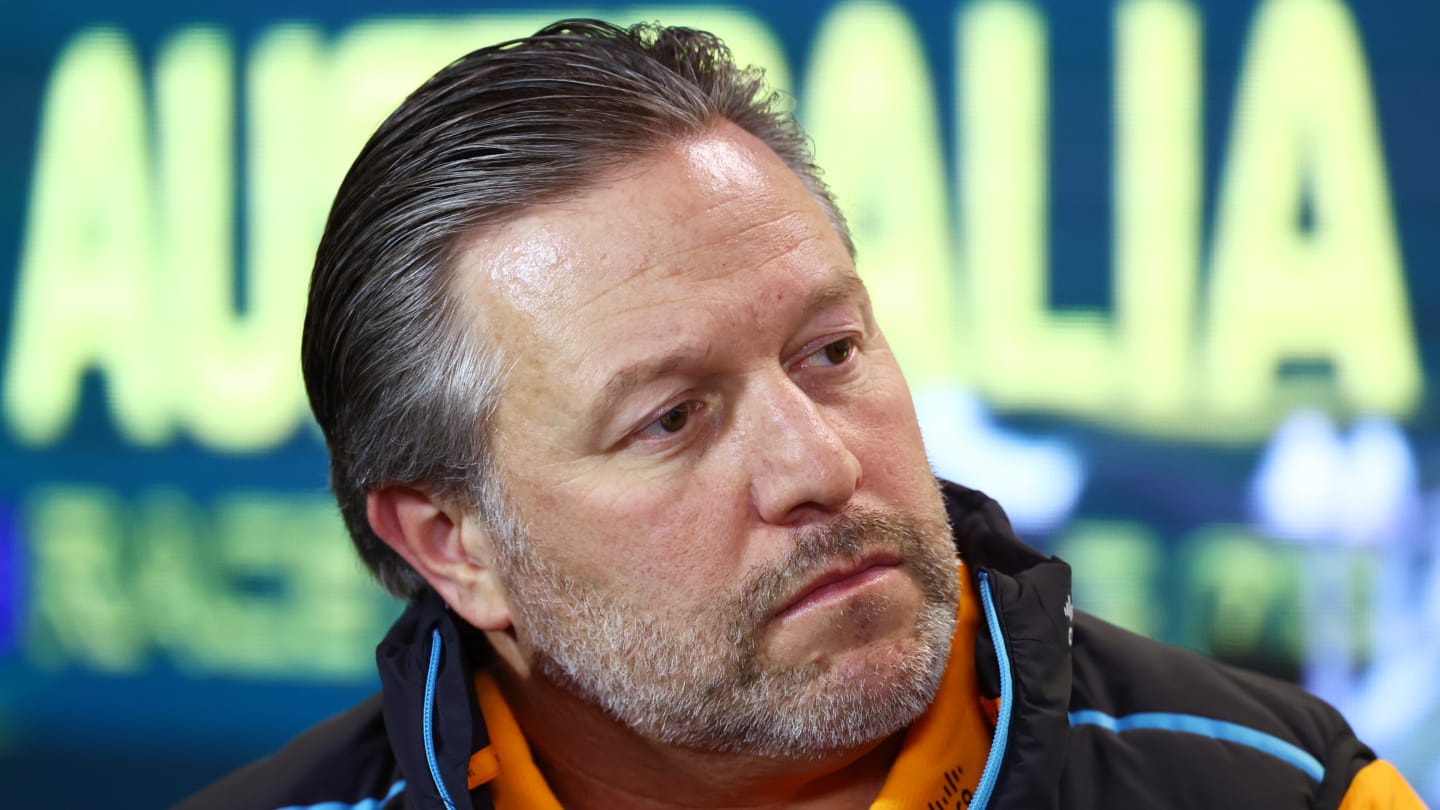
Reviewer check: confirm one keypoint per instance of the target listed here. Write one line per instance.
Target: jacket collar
(429, 703)
(1031, 594)
(424, 671)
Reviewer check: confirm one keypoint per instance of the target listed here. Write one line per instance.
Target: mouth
(837, 582)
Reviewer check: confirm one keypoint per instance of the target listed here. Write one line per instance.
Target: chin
(879, 665)
(857, 698)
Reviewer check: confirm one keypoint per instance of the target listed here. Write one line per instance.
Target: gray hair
(401, 383)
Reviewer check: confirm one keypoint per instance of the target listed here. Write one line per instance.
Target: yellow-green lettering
(81, 607)
(1157, 207)
(85, 297)
(1241, 596)
(1304, 130)
(242, 389)
(868, 67)
(1033, 357)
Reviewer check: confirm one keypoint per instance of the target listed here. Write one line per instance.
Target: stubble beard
(700, 680)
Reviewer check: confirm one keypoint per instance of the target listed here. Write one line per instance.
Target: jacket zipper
(991, 773)
(430, 677)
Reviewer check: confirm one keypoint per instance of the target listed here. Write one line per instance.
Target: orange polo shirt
(939, 762)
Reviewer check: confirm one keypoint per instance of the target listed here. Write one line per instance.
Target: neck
(592, 762)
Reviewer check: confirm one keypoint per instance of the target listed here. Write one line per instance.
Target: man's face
(732, 538)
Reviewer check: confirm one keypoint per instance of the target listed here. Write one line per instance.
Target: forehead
(642, 219)
(711, 227)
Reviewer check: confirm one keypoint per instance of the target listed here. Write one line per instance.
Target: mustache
(848, 538)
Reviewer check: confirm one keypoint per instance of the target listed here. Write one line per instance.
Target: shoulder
(345, 759)
(1379, 786)
(1159, 718)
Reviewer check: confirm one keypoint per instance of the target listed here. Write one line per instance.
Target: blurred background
(1162, 274)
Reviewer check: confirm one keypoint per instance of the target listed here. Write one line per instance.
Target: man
(606, 402)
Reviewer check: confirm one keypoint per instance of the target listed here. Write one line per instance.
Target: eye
(833, 353)
(839, 351)
(671, 421)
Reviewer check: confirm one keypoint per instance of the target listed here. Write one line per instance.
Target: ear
(453, 554)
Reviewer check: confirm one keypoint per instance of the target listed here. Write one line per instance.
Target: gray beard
(700, 682)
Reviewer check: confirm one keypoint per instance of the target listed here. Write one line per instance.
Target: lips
(837, 580)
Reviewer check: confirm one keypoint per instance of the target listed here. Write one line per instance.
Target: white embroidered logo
(1070, 620)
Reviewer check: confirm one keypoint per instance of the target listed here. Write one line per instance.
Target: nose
(802, 466)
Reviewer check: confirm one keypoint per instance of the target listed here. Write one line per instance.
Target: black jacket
(1113, 720)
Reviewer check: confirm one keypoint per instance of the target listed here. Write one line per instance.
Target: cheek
(887, 438)
(672, 538)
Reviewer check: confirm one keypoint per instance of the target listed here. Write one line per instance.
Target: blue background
(1189, 536)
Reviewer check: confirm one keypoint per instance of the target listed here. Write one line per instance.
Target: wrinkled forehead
(679, 215)
(632, 209)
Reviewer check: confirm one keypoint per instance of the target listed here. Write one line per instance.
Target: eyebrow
(844, 286)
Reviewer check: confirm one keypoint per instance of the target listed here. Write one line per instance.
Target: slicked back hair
(399, 380)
